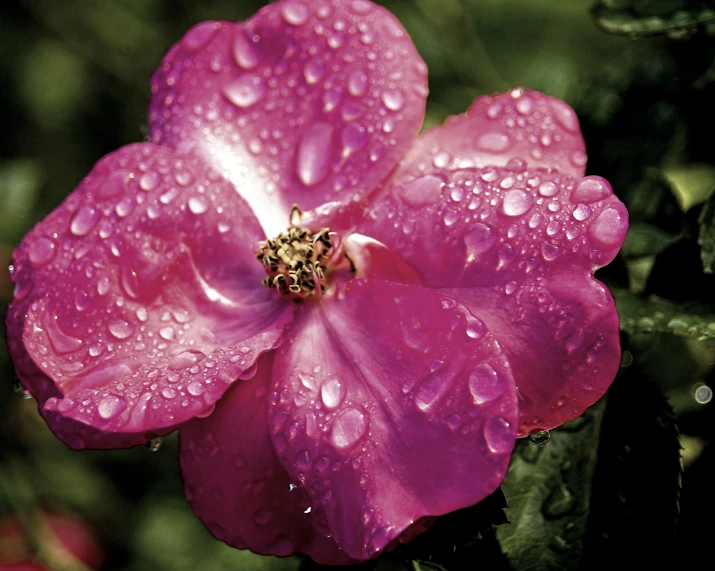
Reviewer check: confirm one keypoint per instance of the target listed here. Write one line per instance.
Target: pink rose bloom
(376, 363)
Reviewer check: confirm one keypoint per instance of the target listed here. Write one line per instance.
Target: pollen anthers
(298, 262)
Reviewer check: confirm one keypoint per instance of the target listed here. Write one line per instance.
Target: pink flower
(328, 426)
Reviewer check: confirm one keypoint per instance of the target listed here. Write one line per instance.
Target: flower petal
(139, 298)
(392, 403)
(519, 248)
(236, 485)
(305, 102)
(526, 125)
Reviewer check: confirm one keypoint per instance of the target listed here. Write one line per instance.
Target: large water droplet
(245, 91)
(499, 435)
(246, 52)
(564, 115)
(354, 137)
(315, 151)
(517, 202)
(393, 99)
(314, 70)
(493, 142)
(295, 13)
(581, 212)
(348, 428)
(357, 83)
(61, 342)
(609, 228)
(84, 220)
(198, 36)
(121, 329)
(479, 239)
(548, 188)
(332, 393)
(41, 251)
(114, 184)
(485, 383)
(149, 181)
(110, 406)
(591, 189)
(199, 204)
(435, 386)
(422, 191)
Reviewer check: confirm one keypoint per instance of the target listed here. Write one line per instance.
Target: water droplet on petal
(110, 406)
(168, 392)
(485, 383)
(564, 115)
(581, 212)
(314, 71)
(196, 388)
(149, 181)
(84, 220)
(609, 228)
(357, 83)
(548, 188)
(244, 91)
(303, 461)
(393, 99)
(261, 517)
(493, 142)
(517, 202)
(199, 204)
(247, 53)
(524, 105)
(499, 435)
(591, 189)
(121, 329)
(315, 151)
(114, 184)
(479, 239)
(348, 428)
(549, 251)
(198, 36)
(332, 393)
(294, 12)
(41, 251)
(422, 191)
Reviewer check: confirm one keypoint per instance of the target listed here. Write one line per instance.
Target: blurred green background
(74, 85)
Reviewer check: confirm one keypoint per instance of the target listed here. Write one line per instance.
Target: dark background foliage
(602, 489)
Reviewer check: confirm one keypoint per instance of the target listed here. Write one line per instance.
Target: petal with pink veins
(518, 248)
(392, 402)
(139, 298)
(238, 488)
(521, 125)
(304, 103)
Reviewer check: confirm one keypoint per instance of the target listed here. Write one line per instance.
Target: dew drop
(168, 392)
(581, 212)
(493, 142)
(609, 228)
(548, 188)
(303, 461)
(525, 105)
(499, 435)
(357, 83)
(549, 251)
(41, 251)
(479, 239)
(315, 151)
(517, 202)
(110, 406)
(198, 36)
(564, 115)
(422, 191)
(348, 428)
(540, 438)
(485, 383)
(199, 204)
(247, 53)
(245, 91)
(394, 100)
(84, 220)
(313, 71)
(114, 184)
(121, 329)
(196, 388)
(294, 12)
(149, 181)
(332, 393)
(591, 189)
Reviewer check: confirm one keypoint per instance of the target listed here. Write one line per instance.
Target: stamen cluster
(297, 262)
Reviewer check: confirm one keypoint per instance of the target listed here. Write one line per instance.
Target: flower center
(299, 261)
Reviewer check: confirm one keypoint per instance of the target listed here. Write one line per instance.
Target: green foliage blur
(74, 86)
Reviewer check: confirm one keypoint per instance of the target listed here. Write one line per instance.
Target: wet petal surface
(236, 485)
(304, 103)
(539, 130)
(519, 248)
(391, 403)
(139, 298)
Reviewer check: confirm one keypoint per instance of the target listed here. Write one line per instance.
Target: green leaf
(645, 240)
(655, 315)
(651, 17)
(548, 489)
(706, 236)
